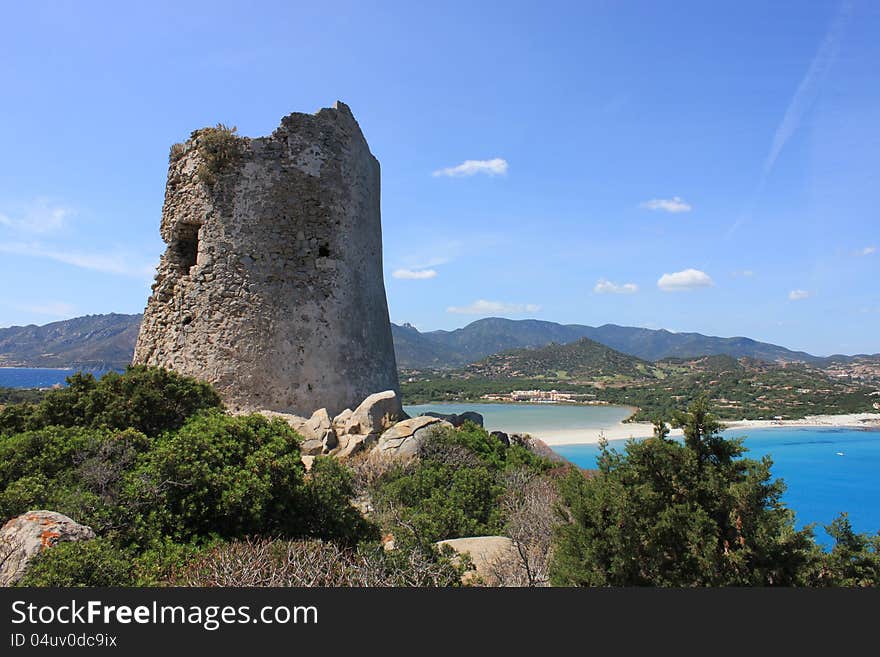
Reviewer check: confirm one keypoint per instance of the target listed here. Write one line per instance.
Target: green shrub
(229, 476)
(149, 399)
(75, 471)
(325, 507)
(97, 562)
(453, 490)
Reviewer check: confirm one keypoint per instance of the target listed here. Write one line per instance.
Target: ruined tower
(271, 286)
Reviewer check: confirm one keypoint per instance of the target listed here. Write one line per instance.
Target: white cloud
(484, 307)
(868, 250)
(52, 308)
(798, 295)
(604, 286)
(38, 217)
(108, 263)
(414, 274)
(675, 204)
(688, 279)
(745, 273)
(494, 167)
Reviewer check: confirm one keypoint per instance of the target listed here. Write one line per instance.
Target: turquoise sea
(826, 470)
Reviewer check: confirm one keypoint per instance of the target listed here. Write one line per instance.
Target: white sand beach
(625, 430)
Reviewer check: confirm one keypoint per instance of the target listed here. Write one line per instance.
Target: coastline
(637, 430)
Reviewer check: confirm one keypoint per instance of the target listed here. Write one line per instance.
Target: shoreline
(638, 430)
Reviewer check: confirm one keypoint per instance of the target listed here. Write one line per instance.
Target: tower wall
(271, 286)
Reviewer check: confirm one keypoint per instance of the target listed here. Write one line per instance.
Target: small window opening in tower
(323, 251)
(186, 246)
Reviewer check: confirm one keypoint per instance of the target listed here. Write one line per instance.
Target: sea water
(38, 377)
(826, 470)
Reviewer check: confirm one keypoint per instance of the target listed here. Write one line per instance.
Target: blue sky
(706, 167)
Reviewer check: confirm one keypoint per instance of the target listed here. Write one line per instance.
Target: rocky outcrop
(376, 413)
(24, 537)
(271, 287)
(404, 438)
(502, 436)
(378, 425)
(351, 444)
(486, 553)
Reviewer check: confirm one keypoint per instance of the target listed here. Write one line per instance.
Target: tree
(668, 514)
(853, 561)
(661, 429)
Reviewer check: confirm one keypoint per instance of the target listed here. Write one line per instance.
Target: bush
(453, 489)
(97, 562)
(325, 505)
(219, 148)
(148, 399)
(75, 471)
(262, 562)
(219, 475)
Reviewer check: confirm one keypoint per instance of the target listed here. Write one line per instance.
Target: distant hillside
(90, 342)
(493, 335)
(108, 341)
(583, 359)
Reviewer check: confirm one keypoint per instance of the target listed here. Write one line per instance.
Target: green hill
(580, 360)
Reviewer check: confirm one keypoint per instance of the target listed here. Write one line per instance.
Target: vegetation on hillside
(583, 359)
(19, 395)
(180, 493)
(151, 462)
(738, 388)
(453, 489)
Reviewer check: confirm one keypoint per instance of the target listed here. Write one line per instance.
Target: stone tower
(271, 286)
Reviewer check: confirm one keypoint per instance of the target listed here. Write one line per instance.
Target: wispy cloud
(867, 251)
(808, 88)
(52, 309)
(689, 279)
(604, 286)
(798, 295)
(414, 274)
(37, 217)
(799, 105)
(484, 307)
(744, 273)
(494, 167)
(110, 263)
(674, 205)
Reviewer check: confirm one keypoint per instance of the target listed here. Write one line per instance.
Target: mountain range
(101, 341)
(484, 337)
(90, 342)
